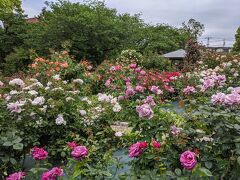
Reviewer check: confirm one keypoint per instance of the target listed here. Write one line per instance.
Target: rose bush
(66, 122)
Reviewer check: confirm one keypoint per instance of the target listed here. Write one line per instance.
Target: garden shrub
(17, 60)
(156, 61)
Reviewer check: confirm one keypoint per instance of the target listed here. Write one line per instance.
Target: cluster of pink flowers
(138, 148)
(189, 90)
(52, 174)
(232, 99)
(133, 66)
(149, 100)
(145, 111)
(39, 153)
(188, 160)
(16, 176)
(72, 144)
(156, 90)
(116, 68)
(213, 80)
(140, 88)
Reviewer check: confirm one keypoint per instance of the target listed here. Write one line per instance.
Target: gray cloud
(220, 17)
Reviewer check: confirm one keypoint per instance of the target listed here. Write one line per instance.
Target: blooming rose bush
(67, 121)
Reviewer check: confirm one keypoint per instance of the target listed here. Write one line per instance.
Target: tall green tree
(236, 46)
(194, 28)
(163, 38)
(12, 32)
(8, 6)
(93, 30)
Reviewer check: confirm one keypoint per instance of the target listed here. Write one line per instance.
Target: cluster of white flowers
(78, 81)
(60, 120)
(82, 112)
(117, 108)
(33, 92)
(1, 83)
(105, 97)
(16, 106)
(38, 101)
(69, 99)
(16, 81)
(110, 99)
(57, 77)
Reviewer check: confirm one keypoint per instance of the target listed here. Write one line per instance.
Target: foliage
(162, 39)
(192, 52)
(93, 30)
(7, 6)
(17, 60)
(194, 28)
(156, 61)
(11, 34)
(128, 56)
(236, 46)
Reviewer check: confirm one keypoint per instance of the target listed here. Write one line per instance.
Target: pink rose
(129, 92)
(143, 72)
(138, 70)
(145, 111)
(156, 144)
(108, 83)
(218, 98)
(133, 66)
(72, 144)
(189, 90)
(16, 176)
(139, 88)
(137, 149)
(188, 160)
(156, 90)
(120, 98)
(149, 100)
(52, 174)
(79, 152)
(175, 130)
(39, 153)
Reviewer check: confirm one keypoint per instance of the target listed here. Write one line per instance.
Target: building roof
(179, 54)
(32, 20)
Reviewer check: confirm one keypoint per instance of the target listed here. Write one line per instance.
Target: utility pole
(224, 42)
(208, 40)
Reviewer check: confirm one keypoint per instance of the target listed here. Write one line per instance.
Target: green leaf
(106, 173)
(18, 140)
(5, 159)
(13, 161)
(205, 171)
(238, 160)
(63, 154)
(208, 165)
(77, 173)
(7, 143)
(18, 146)
(178, 172)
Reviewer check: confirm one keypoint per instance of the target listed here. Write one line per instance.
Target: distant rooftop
(32, 20)
(179, 54)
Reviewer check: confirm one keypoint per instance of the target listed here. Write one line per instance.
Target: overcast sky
(220, 17)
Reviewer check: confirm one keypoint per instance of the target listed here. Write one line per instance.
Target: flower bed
(71, 123)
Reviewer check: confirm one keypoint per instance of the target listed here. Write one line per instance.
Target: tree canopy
(88, 30)
(236, 46)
